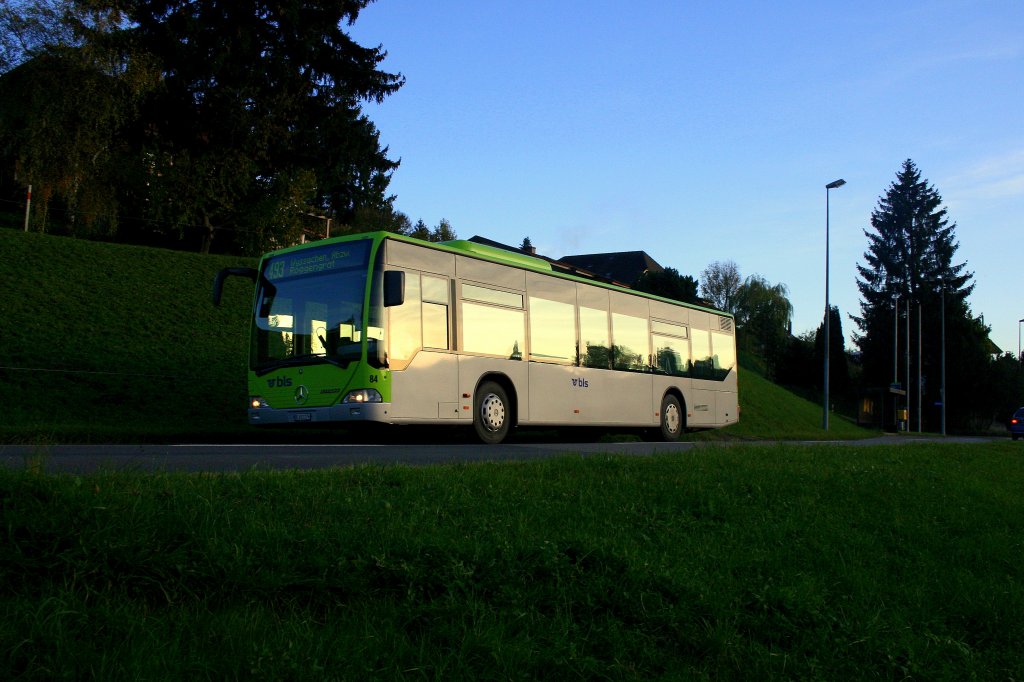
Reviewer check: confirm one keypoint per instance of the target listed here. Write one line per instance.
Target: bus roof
(495, 255)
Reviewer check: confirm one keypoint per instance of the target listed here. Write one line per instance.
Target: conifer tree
(910, 259)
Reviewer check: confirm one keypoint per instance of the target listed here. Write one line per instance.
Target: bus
(380, 327)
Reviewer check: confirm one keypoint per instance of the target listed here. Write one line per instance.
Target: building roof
(622, 266)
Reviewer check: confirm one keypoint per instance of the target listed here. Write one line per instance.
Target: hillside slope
(115, 342)
(770, 411)
(113, 339)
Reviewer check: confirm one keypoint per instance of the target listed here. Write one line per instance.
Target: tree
(27, 29)
(253, 96)
(668, 283)
(911, 247)
(763, 315)
(720, 283)
(70, 92)
(838, 368)
(442, 232)
(252, 121)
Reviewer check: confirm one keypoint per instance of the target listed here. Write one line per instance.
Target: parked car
(1016, 424)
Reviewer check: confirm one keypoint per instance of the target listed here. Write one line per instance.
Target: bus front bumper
(342, 412)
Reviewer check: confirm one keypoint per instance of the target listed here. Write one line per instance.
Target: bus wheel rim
(492, 412)
(672, 418)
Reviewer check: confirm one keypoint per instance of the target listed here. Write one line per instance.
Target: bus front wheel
(673, 421)
(492, 415)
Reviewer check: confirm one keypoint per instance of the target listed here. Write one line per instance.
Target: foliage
(839, 370)
(442, 232)
(237, 118)
(70, 97)
(802, 361)
(777, 562)
(720, 285)
(910, 256)
(1005, 383)
(763, 314)
(27, 28)
(668, 283)
(799, 366)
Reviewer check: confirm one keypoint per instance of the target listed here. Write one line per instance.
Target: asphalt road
(212, 457)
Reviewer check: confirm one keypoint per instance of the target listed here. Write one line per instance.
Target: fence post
(28, 205)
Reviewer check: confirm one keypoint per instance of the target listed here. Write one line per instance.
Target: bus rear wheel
(492, 415)
(673, 421)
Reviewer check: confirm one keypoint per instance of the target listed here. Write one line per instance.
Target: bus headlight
(363, 395)
(256, 402)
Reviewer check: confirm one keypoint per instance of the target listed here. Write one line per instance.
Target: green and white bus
(385, 328)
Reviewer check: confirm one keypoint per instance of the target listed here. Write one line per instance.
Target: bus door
(424, 371)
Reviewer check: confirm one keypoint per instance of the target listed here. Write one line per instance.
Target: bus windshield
(309, 307)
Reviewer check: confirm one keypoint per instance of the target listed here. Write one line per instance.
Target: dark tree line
(910, 279)
(221, 126)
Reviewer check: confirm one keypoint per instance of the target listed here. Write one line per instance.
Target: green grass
(113, 342)
(770, 411)
(108, 342)
(749, 562)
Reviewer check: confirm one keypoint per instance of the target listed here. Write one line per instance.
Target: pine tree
(911, 247)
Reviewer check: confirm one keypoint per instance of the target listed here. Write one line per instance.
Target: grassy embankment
(106, 342)
(113, 342)
(748, 562)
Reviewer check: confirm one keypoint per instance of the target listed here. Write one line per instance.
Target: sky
(703, 132)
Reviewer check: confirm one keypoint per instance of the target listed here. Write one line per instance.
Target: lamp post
(895, 341)
(942, 389)
(920, 384)
(906, 370)
(1018, 341)
(828, 338)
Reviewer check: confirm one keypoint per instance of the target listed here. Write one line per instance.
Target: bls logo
(279, 382)
(580, 383)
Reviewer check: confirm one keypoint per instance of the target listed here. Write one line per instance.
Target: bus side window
(724, 355)
(552, 331)
(595, 351)
(404, 333)
(701, 362)
(435, 312)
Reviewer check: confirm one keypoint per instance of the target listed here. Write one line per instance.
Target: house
(623, 268)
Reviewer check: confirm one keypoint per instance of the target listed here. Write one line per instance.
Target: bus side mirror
(218, 281)
(394, 288)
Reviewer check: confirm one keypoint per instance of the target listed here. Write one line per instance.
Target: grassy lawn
(747, 562)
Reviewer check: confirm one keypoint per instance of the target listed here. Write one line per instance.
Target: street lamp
(824, 414)
(942, 391)
(895, 340)
(1019, 359)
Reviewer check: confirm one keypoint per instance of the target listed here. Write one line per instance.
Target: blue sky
(706, 131)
